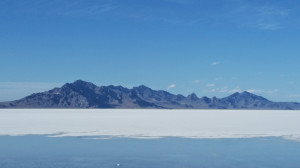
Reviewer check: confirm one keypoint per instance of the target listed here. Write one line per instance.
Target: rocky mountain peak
(245, 96)
(82, 94)
(142, 88)
(193, 96)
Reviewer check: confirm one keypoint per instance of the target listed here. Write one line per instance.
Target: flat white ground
(151, 123)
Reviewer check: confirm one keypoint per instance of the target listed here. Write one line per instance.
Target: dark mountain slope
(81, 94)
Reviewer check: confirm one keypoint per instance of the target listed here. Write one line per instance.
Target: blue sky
(209, 47)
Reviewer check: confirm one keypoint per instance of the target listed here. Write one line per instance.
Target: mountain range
(82, 94)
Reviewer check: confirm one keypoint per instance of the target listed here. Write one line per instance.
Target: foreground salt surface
(151, 123)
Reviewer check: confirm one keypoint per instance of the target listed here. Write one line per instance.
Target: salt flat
(151, 123)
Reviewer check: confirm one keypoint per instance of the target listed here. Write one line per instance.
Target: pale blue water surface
(81, 152)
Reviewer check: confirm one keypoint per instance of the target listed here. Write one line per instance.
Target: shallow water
(82, 152)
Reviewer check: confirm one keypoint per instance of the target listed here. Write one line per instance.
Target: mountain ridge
(82, 94)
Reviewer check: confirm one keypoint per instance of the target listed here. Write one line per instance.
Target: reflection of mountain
(81, 94)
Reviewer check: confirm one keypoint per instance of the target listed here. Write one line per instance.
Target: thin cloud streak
(62, 8)
(210, 85)
(294, 96)
(250, 14)
(241, 13)
(238, 89)
(76, 9)
(257, 91)
(171, 86)
(197, 81)
(268, 26)
(223, 90)
(215, 63)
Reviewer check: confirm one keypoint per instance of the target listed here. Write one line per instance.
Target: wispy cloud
(268, 26)
(269, 10)
(64, 8)
(238, 89)
(197, 81)
(215, 63)
(171, 86)
(258, 91)
(294, 96)
(240, 13)
(253, 14)
(267, 17)
(224, 89)
(210, 85)
(83, 9)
